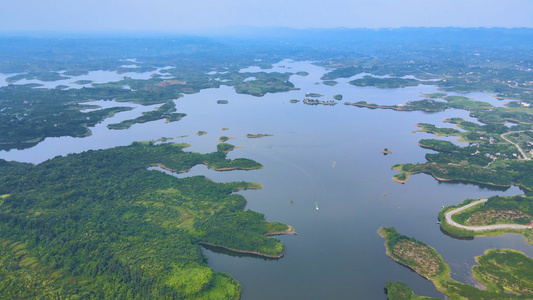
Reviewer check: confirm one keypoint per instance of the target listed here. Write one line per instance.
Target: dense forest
(101, 225)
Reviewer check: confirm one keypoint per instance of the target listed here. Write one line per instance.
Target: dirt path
(449, 220)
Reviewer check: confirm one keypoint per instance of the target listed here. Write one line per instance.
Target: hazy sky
(183, 15)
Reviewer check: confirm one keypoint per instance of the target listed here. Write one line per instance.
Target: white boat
(316, 205)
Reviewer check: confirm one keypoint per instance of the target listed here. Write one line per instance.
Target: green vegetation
(83, 82)
(504, 269)
(302, 73)
(426, 262)
(438, 131)
(148, 92)
(337, 97)
(165, 111)
(101, 225)
(264, 83)
(496, 155)
(439, 145)
(386, 151)
(294, 101)
(259, 135)
(497, 210)
(502, 115)
(40, 75)
(386, 83)
(465, 103)
(201, 132)
(28, 116)
(401, 291)
(116, 253)
(416, 255)
(314, 95)
(223, 138)
(432, 105)
(435, 95)
(276, 227)
(222, 101)
(330, 82)
(424, 105)
(345, 72)
(224, 147)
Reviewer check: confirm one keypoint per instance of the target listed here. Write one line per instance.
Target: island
(263, 83)
(501, 270)
(224, 138)
(385, 151)
(337, 97)
(222, 101)
(259, 135)
(330, 82)
(310, 101)
(313, 95)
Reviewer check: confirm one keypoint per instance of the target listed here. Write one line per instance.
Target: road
(516, 145)
(449, 220)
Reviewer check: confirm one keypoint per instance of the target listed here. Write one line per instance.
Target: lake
(324, 155)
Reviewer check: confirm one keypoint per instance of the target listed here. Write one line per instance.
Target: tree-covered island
(258, 135)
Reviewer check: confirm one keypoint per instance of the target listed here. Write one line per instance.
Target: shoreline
(290, 230)
(244, 251)
(231, 168)
(229, 138)
(389, 254)
(205, 164)
(448, 219)
(400, 181)
(454, 180)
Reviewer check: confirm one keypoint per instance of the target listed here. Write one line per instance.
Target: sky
(191, 15)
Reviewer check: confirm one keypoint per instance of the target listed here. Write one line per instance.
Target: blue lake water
(317, 154)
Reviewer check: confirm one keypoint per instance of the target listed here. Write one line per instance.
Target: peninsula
(501, 270)
(493, 216)
(126, 219)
